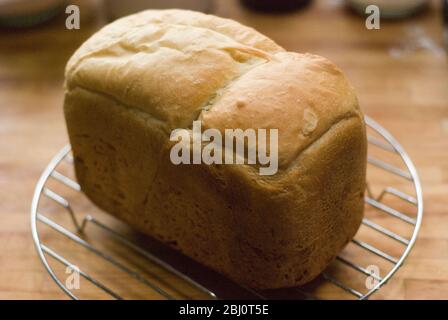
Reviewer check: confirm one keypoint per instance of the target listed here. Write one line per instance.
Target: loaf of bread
(143, 76)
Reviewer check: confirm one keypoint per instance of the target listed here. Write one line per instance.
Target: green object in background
(275, 5)
(28, 13)
(390, 9)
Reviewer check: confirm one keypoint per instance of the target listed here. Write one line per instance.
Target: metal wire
(387, 143)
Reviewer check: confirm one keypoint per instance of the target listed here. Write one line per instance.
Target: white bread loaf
(147, 74)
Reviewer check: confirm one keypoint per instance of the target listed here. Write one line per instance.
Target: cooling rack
(393, 214)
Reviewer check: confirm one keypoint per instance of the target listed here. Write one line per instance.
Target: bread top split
(179, 66)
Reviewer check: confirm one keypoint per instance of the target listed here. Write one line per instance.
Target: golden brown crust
(196, 52)
(147, 74)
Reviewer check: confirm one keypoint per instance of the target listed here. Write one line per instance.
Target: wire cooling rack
(72, 225)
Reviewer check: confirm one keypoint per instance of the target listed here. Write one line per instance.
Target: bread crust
(144, 75)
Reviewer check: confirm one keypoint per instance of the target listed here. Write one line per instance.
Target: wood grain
(408, 95)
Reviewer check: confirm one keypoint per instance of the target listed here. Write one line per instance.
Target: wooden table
(407, 94)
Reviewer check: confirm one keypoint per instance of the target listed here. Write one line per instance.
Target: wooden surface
(407, 94)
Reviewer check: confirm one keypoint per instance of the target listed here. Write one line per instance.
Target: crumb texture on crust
(144, 75)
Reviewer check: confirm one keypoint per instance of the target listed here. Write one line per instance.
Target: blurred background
(399, 71)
